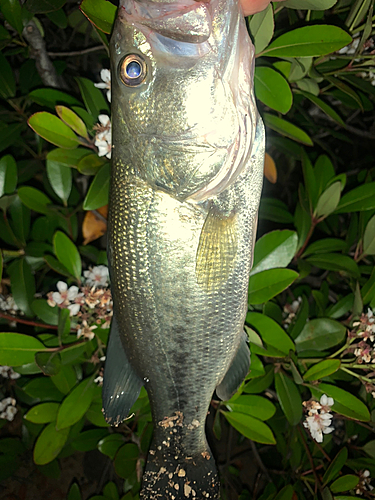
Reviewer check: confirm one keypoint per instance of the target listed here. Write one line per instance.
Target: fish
(186, 180)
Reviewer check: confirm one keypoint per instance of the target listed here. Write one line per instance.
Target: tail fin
(171, 475)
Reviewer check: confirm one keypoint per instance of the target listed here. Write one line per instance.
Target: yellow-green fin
(217, 250)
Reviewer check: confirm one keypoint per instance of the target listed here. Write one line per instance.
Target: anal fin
(236, 373)
(121, 386)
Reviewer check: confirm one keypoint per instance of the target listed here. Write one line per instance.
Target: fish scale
(180, 230)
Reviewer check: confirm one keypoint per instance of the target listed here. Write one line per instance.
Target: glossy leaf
(313, 41)
(369, 237)
(274, 210)
(49, 444)
(43, 413)
(289, 398)
(110, 445)
(12, 12)
(44, 6)
(369, 448)
(328, 110)
(322, 369)
(88, 440)
(345, 403)
(34, 199)
(326, 245)
(277, 342)
(92, 97)
(309, 4)
(335, 466)
(272, 89)
(8, 175)
(67, 253)
(67, 157)
(65, 380)
(7, 81)
(72, 120)
(42, 389)
(18, 349)
(126, 460)
(98, 193)
(286, 493)
(320, 334)
(76, 404)
(344, 483)
(259, 384)
(100, 13)
(359, 198)
(53, 130)
(335, 262)
(60, 179)
(74, 492)
(48, 362)
(328, 200)
(255, 406)
(261, 27)
(274, 250)
(22, 285)
(56, 265)
(250, 427)
(286, 128)
(265, 285)
(90, 164)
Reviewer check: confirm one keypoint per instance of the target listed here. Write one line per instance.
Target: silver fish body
(188, 152)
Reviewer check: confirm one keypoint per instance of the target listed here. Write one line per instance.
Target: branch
(46, 69)
(30, 322)
(77, 52)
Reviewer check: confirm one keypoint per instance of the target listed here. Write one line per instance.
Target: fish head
(183, 109)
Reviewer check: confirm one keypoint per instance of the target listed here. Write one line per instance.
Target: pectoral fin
(121, 384)
(236, 372)
(217, 250)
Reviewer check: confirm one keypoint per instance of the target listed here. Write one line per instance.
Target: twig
(361, 133)
(46, 69)
(30, 322)
(260, 462)
(77, 52)
(317, 481)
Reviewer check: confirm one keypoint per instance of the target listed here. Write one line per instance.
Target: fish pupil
(133, 69)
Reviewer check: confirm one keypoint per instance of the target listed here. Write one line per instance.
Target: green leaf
(344, 483)
(309, 4)
(126, 460)
(255, 406)
(44, 6)
(289, 398)
(250, 427)
(59, 18)
(74, 493)
(328, 200)
(286, 493)
(8, 175)
(18, 349)
(326, 245)
(335, 262)
(60, 179)
(369, 238)
(67, 253)
(287, 129)
(272, 89)
(98, 192)
(261, 383)
(42, 389)
(53, 130)
(76, 404)
(7, 82)
(65, 380)
(48, 362)
(345, 403)
(369, 448)
(110, 444)
(328, 110)
(314, 41)
(48, 314)
(343, 87)
(265, 285)
(22, 285)
(322, 369)
(51, 97)
(88, 440)
(92, 97)
(101, 13)
(72, 120)
(310, 87)
(358, 199)
(110, 491)
(320, 334)
(49, 444)
(90, 164)
(64, 323)
(274, 250)
(34, 199)
(310, 183)
(95, 415)
(278, 343)
(261, 27)
(56, 265)
(335, 466)
(274, 210)
(12, 12)
(43, 413)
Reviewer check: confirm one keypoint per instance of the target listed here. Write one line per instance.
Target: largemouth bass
(188, 152)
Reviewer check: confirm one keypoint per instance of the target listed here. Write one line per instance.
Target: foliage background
(312, 280)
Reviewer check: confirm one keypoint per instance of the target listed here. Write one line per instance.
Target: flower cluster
(105, 75)
(364, 333)
(319, 418)
(8, 304)
(364, 485)
(103, 137)
(290, 311)
(8, 372)
(90, 305)
(8, 409)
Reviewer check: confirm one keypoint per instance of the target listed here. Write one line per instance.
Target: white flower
(103, 138)
(8, 372)
(64, 295)
(86, 331)
(105, 75)
(326, 403)
(8, 409)
(351, 48)
(98, 275)
(319, 424)
(99, 380)
(74, 309)
(8, 304)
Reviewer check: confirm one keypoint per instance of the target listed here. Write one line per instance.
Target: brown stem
(314, 222)
(317, 480)
(9, 317)
(77, 52)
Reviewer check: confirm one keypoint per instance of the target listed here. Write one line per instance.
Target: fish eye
(133, 70)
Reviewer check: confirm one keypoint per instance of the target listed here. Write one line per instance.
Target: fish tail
(172, 475)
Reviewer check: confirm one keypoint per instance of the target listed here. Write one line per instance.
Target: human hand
(254, 6)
